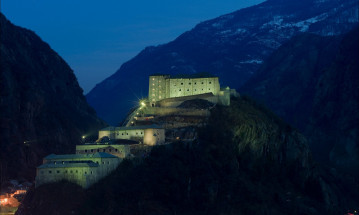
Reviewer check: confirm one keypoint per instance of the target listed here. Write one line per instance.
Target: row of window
(127, 133)
(103, 150)
(194, 89)
(66, 171)
(195, 83)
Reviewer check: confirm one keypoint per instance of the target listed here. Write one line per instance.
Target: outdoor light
(83, 137)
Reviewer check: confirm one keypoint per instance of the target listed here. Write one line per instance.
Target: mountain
(312, 82)
(232, 46)
(253, 163)
(42, 107)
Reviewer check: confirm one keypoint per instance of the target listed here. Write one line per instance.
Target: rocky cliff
(246, 161)
(42, 107)
(232, 46)
(312, 82)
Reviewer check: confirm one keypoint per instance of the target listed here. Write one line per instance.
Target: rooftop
(195, 75)
(142, 127)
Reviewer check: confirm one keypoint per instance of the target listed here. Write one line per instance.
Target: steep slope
(231, 46)
(42, 107)
(313, 83)
(253, 163)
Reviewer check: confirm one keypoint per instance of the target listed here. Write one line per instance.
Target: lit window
(153, 89)
(153, 79)
(153, 100)
(153, 84)
(153, 94)
(159, 97)
(159, 86)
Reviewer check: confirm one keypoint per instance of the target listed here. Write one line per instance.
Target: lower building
(121, 151)
(82, 169)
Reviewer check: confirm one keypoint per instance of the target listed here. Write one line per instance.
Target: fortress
(164, 87)
(135, 138)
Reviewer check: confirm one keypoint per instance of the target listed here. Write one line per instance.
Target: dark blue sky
(96, 37)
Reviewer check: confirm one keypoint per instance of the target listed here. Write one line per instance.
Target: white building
(82, 169)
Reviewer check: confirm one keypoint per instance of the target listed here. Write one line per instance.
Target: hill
(246, 161)
(232, 46)
(42, 107)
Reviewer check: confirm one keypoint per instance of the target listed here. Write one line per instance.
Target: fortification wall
(164, 111)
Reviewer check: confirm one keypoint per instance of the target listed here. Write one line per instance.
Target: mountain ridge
(232, 46)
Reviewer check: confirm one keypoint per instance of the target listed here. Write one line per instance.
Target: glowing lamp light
(83, 137)
(143, 104)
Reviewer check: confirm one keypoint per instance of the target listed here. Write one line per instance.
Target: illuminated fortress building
(162, 87)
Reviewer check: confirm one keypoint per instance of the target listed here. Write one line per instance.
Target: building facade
(164, 86)
(82, 169)
(121, 151)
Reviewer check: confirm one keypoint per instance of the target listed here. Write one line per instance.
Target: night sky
(96, 37)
